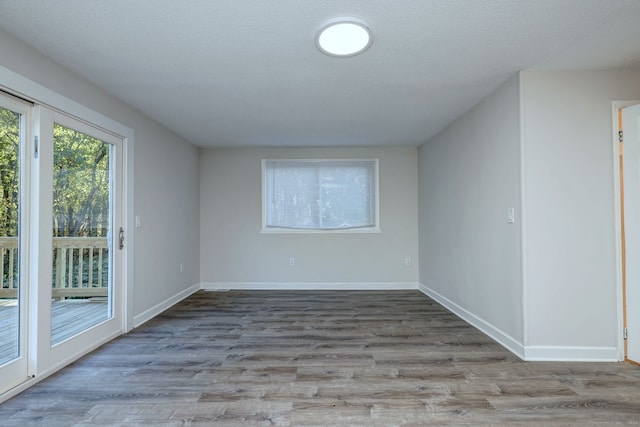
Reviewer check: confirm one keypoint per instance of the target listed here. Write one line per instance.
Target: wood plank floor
(312, 358)
(67, 319)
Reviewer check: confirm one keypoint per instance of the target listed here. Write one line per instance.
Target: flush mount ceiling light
(344, 37)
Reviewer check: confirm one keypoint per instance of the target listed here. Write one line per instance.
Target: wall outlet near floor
(181, 267)
(292, 261)
(407, 261)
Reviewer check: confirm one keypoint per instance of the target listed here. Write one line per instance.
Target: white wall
(233, 251)
(469, 175)
(166, 193)
(553, 129)
(570, 274)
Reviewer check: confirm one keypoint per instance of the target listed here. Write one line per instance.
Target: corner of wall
(152, 312)
(492, 331)
(523, 211)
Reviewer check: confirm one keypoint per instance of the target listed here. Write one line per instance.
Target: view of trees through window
(9, 192)
(80, 194)
(80, 206)
(80, 184)
(9, 173)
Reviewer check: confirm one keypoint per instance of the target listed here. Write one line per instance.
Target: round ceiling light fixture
(344, 37)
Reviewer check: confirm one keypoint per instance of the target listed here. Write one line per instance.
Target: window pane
(10, 187)
(320, 194)
(345, 197)
(294, 197)
(81, 226)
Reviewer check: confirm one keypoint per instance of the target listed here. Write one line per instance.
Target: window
(320, 195)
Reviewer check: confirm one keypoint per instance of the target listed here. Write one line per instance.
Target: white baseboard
(528, 353)
(159, 308)
(311, 286)
(571, 354)
(502, 338)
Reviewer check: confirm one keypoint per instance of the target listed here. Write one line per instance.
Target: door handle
(121, 238)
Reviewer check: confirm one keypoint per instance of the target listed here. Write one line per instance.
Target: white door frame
(615, 106)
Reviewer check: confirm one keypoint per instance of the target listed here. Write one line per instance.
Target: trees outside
(9, 195)
(9, 171)
(80, 204)
(80, 184)
(80, 187)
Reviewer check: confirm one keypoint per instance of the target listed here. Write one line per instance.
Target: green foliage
(80, 181)
(9, 171)
(80, 184)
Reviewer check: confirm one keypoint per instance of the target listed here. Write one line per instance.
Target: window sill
(369, 230)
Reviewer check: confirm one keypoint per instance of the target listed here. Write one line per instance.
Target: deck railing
(8, 266)
(80, 267)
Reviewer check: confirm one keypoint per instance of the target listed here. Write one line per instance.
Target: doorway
(627, 117)
(61, 239)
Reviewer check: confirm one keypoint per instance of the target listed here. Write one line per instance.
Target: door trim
(615, 106)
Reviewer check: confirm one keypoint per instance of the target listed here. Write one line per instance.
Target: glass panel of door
(81, 233)
(10, 136)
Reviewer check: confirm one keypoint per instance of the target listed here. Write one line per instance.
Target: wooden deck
(68, 318)
(306, 358)
(8, 330)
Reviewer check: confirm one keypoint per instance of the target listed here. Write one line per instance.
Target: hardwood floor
(310, 358)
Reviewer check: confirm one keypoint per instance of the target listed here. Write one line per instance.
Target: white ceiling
(247, 72)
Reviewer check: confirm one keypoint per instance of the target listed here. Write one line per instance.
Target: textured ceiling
(247, 72)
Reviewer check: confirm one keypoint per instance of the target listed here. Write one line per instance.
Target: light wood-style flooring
(321, 358)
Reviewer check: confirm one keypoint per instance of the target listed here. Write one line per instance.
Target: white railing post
(2, 251)
(8, 253)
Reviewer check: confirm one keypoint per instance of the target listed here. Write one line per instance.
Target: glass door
(82, 224)
(61, 239)
(13, 291)
(80, 245)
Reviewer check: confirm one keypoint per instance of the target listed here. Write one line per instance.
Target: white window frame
(358, 230)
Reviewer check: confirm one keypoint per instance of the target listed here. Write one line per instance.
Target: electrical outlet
(181, 267)
(407, 261)
(292, 261)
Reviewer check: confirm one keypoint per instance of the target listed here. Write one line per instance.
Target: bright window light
(320, 195)
(344, 37)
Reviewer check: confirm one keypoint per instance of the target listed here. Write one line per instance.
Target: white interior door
(631, 156)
